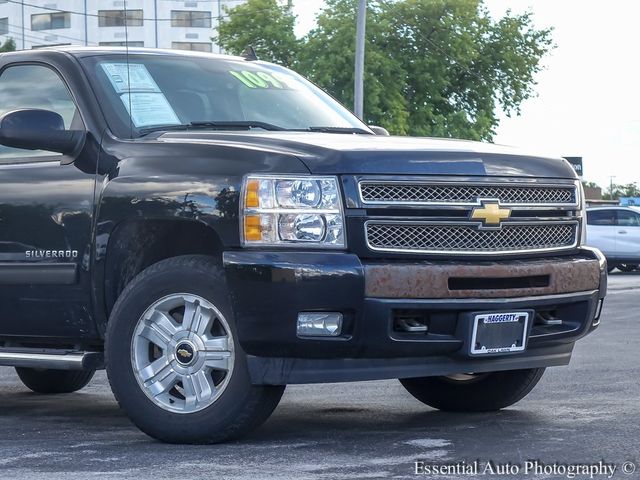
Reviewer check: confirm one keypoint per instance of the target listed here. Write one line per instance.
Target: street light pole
(358, 97)
(611, 177)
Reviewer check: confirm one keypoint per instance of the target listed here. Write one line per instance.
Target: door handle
(622, 232)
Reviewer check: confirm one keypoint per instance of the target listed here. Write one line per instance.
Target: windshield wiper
(249, 124)
(340, 130)
(213, 125)
(239, 125)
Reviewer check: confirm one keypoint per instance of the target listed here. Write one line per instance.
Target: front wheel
(483, 392)
(173, 358)
(50, 381)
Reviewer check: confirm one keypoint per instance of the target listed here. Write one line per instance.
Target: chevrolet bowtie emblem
(184, 353)
(490, 213)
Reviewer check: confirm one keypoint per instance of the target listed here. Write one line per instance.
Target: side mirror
(35, 129)
(379, 130)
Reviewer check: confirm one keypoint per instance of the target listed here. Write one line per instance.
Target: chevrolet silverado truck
(211, 228)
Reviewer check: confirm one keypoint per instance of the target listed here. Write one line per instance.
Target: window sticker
(263, 80)
(149, 108)
(137, 75)
(140, 94)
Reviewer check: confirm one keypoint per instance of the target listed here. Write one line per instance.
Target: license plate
(499, 332)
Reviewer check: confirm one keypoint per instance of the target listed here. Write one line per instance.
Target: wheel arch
(136, 244)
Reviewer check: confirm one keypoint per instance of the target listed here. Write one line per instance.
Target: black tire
(628, 267)
(611, 268)
(54, 381)
(240, 408)
(482, 393)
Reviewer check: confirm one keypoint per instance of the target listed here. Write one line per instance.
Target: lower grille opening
(547, 318)
(472, 283)
(411, 321)
(556, 320)
(420, 321)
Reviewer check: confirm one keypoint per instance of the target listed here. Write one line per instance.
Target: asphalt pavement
(581, 414)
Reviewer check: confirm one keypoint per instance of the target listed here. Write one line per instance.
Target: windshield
(172, 91)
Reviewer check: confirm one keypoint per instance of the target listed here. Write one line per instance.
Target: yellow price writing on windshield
(258, 79)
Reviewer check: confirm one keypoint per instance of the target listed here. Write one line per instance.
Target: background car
(616, 232)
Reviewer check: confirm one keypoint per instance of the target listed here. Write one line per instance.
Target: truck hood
(325, 153)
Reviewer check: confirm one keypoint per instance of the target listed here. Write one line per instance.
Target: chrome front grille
(438, 238)
(420, 193)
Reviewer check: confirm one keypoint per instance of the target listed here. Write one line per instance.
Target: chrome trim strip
(402, 204)
(469, 224)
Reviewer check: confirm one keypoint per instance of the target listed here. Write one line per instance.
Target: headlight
(295, 211)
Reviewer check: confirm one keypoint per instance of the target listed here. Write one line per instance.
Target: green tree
(461, 64)
(615, 191)
(8, 46)
(629, 190)
(328, 58)
(264, 24)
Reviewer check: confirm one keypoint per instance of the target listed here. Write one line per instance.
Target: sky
(588, 95)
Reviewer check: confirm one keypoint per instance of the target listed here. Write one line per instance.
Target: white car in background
(616, 232)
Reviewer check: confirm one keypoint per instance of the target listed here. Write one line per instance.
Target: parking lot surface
(582, 413)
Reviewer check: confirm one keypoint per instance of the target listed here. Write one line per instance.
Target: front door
(46, 211)
(602, 230)
(628, 235)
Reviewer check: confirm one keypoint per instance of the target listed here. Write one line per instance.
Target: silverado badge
(490, 213)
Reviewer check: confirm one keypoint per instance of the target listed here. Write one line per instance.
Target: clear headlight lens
(305, 211)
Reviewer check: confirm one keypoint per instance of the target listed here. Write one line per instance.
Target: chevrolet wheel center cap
(185, 353)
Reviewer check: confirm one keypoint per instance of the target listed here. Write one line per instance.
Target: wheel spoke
(217, 360)
(164, 381)
(198, 388)
(153, 369)
(217, 344)
(196, 319)
(156, 335)
(164, 322)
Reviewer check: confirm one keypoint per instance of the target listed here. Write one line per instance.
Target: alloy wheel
(182, 353)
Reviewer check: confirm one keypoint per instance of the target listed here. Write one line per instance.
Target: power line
(149, 19)
(33, 34)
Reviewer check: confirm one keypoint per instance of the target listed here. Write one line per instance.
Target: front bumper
(269, 288)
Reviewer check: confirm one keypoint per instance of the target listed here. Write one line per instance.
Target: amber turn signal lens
(251, 198)
(252, 228)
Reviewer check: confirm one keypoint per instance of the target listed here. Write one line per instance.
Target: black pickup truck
(210, 229)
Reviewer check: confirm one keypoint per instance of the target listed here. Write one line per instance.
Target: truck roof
(81, 51)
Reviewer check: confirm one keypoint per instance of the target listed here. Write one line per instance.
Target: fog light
(319, 324)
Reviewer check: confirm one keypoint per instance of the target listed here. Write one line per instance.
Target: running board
(54, 359)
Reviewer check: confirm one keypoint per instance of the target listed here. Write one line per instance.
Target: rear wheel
(482, 392)
(54, 381)
(628, 267)
(173, 358)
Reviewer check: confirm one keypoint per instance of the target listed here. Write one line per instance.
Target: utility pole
(358, 97)
(22, 15)
(611, 177)
(86, 26)
(155, 21)
(219, 20)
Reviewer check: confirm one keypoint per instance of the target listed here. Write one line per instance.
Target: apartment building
(186, 25)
